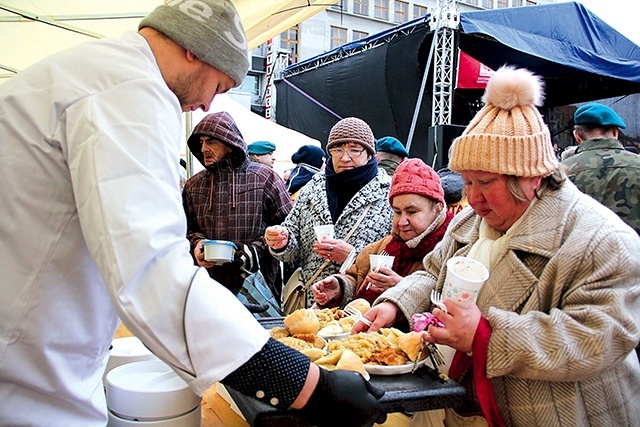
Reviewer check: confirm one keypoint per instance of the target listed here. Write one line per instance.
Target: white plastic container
(126, 350)
(219, 251)
(150, 393)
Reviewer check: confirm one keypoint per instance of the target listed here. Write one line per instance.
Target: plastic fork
(356, 315)
(436, 299)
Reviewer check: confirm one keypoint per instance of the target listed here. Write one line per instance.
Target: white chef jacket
(92, 229)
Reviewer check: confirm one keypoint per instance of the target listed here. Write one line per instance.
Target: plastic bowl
(219, 251)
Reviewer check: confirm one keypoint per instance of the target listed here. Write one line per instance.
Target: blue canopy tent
(579, 56)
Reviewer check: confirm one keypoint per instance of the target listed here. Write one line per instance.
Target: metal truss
(443, 64)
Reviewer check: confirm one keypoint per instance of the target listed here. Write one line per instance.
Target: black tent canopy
(579, 57)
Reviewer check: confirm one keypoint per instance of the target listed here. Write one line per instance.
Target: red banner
(472, 74)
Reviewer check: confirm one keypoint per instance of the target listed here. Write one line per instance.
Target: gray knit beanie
(210, 29)
(354, 130)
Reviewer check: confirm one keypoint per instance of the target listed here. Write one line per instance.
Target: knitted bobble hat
(413, 176)
(507, 136)
(354, 130)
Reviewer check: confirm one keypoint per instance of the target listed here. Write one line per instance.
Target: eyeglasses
(351, 152)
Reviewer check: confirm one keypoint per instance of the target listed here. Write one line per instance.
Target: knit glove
(344, 398)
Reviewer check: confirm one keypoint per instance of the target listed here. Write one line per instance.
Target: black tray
(420, 391)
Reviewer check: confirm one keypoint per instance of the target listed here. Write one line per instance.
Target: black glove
(344, 398)
(246, 258)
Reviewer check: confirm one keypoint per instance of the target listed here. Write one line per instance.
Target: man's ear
(577, 137)
(190, 56)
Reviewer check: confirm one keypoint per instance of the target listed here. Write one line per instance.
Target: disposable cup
(377, 261)
(465, 277)
(323, 230)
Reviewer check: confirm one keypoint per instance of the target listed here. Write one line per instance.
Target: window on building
(473, 2)
(487, 4)
(419, 11)
(289, 40)
(501, 4)
(338, 36)
(361, 7)
(401, 12)
(381, 9)
(516, 3)
(357, 35)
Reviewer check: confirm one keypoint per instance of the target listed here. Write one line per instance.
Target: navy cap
(597, 115)
(261, 147)
(391, 145)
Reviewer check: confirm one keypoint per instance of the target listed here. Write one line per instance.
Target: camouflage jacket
(603, 169)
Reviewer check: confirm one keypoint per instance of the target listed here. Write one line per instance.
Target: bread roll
(360, 304)
(411, 343)
(349, 361)
(302, 321)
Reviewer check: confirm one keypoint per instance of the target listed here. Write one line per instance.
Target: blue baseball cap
(598, 115)
(389, 144)
(261, 147)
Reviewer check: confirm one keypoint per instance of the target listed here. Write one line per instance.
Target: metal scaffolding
(444, 26)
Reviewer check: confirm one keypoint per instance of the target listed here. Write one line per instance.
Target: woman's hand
(332, 249)
(326, 290)
(198, 252)
(381, 316)
(384, 279)
(276, 237)
(460, 326)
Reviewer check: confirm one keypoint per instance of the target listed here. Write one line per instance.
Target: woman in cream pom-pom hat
(550, 340)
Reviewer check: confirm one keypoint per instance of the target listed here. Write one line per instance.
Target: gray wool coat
(564, 308)
(312, 208)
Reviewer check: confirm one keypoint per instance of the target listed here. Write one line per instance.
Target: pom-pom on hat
(210, 29)
(310, 155)
(261, 147)
(598, 115)
(392, 145)
(507, 136)
(413, 176)
(352, 129)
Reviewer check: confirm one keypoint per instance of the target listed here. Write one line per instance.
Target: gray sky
(620, 14)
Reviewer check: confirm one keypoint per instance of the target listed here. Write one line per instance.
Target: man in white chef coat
(92, 230)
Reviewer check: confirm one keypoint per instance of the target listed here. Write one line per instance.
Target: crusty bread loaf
(302, 321)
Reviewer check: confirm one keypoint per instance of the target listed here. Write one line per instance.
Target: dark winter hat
(452, 184)
(261, 147)
(354, 130)
(414, 176)
(210, 29)
(310, 155)
(389, 144)
(598, 115)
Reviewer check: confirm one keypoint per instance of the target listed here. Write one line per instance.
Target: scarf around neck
(342, 186)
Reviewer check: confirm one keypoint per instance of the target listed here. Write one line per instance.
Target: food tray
(420, 391)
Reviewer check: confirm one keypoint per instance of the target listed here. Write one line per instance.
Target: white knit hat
(210, 29)
(508, 135)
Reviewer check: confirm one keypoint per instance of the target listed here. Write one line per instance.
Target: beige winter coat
(564, 308)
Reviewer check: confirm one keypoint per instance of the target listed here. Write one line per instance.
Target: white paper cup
(377, 261)
(465, 277)
(323, 230)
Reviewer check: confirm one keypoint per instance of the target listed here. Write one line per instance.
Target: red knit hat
(413, 176)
